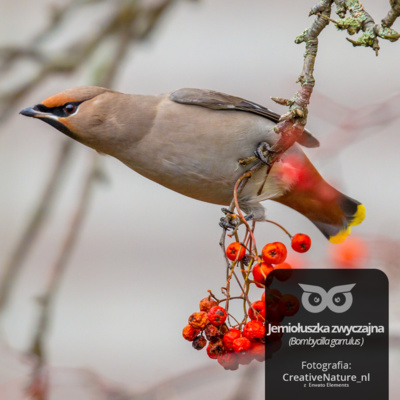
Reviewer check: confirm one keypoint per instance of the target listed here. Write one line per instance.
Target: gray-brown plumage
(191, 140)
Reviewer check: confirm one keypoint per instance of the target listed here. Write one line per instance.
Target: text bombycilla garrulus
(191, 140)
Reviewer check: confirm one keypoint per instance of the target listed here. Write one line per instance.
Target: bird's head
(81, 113)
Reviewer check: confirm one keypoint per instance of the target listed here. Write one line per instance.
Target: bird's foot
(230, 221)
(265, 153)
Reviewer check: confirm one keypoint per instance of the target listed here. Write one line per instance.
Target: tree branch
(14, 265)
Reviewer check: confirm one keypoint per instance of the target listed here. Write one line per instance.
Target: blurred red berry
(289, 304)
(259, 311)
(301, 242)
(274, 253)
(274, 312)
(245, 357)
(272, 296)
(283, 271)
(295, 173)
(230, 336)
(198, 320)
(260, 273)
(235, 251)
(254, 330)
(217, 315)
(207, 303)
(229, 361)
(352, 253)
(257, 350)
(241, 344)
(190, 333)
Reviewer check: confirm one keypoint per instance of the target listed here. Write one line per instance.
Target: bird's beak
(29, 112)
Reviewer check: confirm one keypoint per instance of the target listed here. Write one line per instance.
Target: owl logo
(338, 299)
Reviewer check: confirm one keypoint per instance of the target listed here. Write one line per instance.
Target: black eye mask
(57, 111)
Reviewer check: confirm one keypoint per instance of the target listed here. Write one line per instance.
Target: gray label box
(336, 345)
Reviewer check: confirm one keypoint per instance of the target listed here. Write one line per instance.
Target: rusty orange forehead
(57, 100)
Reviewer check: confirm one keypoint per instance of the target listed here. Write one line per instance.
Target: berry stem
(280, 226)
(235, 196)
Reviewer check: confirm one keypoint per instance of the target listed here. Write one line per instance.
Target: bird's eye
(70, 108)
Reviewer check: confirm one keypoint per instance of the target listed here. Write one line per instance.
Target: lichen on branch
(292, 123)
(360, 19)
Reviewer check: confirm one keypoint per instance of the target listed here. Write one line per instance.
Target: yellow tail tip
(357, 219)
(339, 238)
(358, 216)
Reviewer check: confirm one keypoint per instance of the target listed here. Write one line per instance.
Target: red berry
(199, 342)
(260, 273)
(289, 304)
(259, 310)
(217, 315)
(254, 330)
(282, 249)
(229, 361)
(235, 251)
(210, 354)
(257, 350)
(274, 253)
(272, 296)
(283, 271)
(229, 337)
(206, 304)
(211, 332)
(190, 333)
(222, 330)
(274, 312)
(241, 344)
(198, 320)
(215, 349)
(301, 242)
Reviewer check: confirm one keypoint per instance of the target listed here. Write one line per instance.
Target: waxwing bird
(191, 140)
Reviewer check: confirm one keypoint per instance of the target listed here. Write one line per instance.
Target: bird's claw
(230, 221)
(226, 224)
(226, 211)
(262, 148)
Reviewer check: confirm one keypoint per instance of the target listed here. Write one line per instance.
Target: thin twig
(59, 268)
(18, 256)
(38, 348)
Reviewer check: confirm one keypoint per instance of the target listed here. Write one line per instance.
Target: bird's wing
(222, 101)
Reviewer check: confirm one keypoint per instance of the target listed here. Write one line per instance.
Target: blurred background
(144, 255)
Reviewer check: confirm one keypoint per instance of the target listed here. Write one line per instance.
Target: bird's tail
(307, 192)
(332, 212)
(353, 214)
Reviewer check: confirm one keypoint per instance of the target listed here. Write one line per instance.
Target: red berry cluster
(230, 347)
(273, 258)
(253, 338)
(240, 345)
